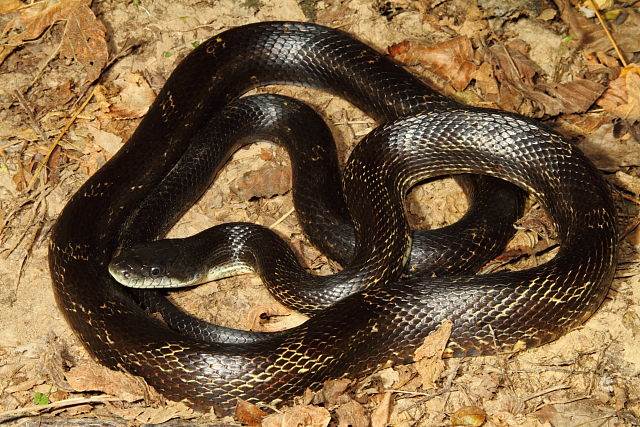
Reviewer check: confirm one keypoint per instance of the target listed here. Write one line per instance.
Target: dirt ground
(563, 70)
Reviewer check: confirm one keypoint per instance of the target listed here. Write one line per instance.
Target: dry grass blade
(55, 143)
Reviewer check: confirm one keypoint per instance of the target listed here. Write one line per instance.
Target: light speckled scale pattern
(503, 311)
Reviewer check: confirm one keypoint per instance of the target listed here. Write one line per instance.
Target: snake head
(157, 264)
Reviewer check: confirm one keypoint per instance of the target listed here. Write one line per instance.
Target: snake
(235, 248)
(319, 201)
(422, 135)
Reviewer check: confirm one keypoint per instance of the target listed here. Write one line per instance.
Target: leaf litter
(550, 60)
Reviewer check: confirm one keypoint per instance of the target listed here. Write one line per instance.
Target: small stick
(37, 409)
(282, 218)
(543, 392)
(55, 143)
(609, 35)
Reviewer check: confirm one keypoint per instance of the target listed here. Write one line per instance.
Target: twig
(609, 35)
(606, 417)
(282, 218)
(32, 117)
(540, 371)
(428, 396)
(630, 198)
(564, 402)
(41, 205)
(629, 228)
(44, 66)
(55, 143)
(419, 393)
(37, 409)
(543, 392)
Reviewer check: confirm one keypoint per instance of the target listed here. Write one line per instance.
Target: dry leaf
(628, 182)
(94, 377)
(428, 356)
(622, 97)
(273, 317)
(84, 36)
(389, 377)
(84, 39)
(523, 88)
(485, 387)
(592, 37)
(8, 6)
(578, 95)
(547, 15)
(248, 413)
(107, 141)
(302, 415)
(581, 124)
(269, 180)
(351, 414)
(486, 81)
(549, 415)
(332, 390)
(380, 415)
(173, 410)
(469, 416)
(609, 152)
(451, 60)
(583, 29)
(134, 98)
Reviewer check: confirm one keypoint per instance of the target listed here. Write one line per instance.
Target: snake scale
(425, 135)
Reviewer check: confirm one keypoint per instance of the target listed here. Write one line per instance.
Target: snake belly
(504, 311)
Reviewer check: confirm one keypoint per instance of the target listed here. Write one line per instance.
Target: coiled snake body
(427, 135)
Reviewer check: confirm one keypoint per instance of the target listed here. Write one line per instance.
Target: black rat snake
(426, 135)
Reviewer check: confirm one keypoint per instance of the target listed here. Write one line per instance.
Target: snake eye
(154, 272)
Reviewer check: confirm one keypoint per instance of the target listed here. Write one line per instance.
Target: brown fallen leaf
(160, 415)
(622, 97)
(609, 152)
(486, 81)
(451, 60)
(332, 390)
(428, 356)
(351, 414)
(389, 377)
(94, 377)
(108, 141)
(578, 95)
(471, 416)
(84, 35)
(581, 124)
(628, 182)
(8, 6)
(582, 29)
(273, 317)
(485, 386)
(134, 98)
(84, 39)
(523, 87)
(380, 415)
(269, 180)
(248, 413)
(590, 35)
(301, 415)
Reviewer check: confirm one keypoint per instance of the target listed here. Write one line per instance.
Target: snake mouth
(122, 273)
